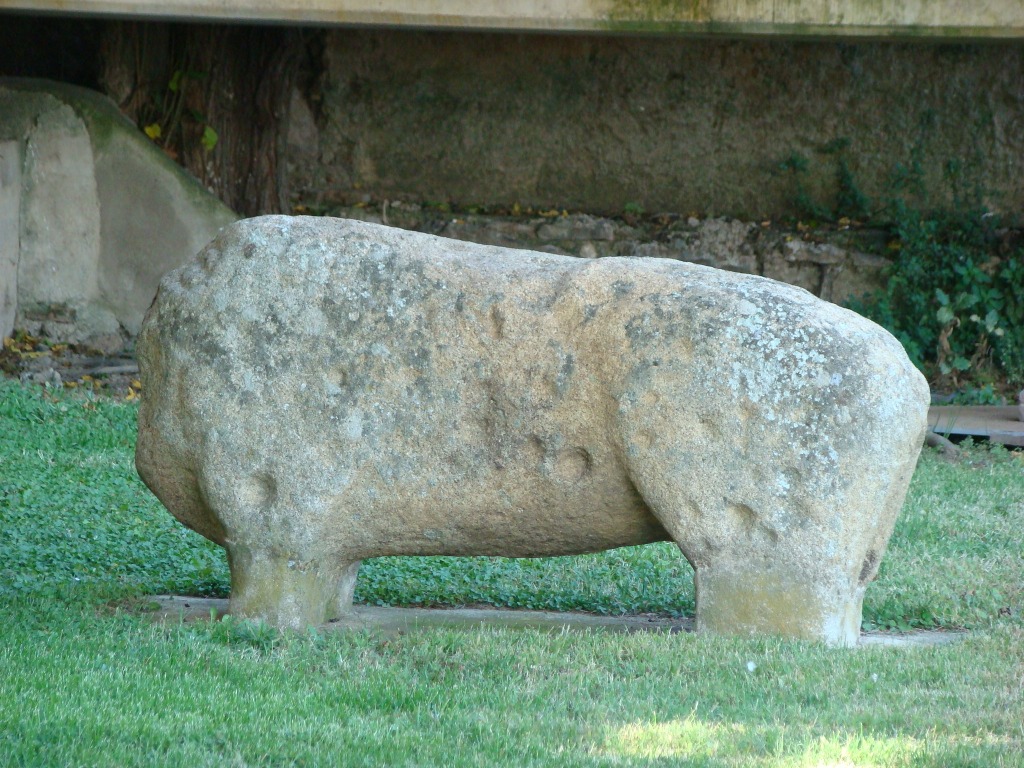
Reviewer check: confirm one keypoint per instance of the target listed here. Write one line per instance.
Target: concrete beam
(902, 19)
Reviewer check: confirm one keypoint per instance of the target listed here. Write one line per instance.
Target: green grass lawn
(84, 684)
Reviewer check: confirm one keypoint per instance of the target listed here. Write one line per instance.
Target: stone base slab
(390, 620)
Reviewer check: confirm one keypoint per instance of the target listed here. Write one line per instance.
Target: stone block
(10, 213)
(154, 218)
(804, 274)
(861, 274)
(321, 391)
(92, 216)
(813, 253)
(491, 230)
(578, 227)
(721, 243)
(60, 219)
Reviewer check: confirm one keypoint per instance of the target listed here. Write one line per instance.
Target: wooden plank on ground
(998, 424)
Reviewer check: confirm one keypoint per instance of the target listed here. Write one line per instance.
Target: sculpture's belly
(535, 516)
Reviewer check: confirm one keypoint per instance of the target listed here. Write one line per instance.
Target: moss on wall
(601, 122)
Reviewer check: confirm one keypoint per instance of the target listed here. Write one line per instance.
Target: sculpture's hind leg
(776, 548)
(751, 578)
(782, 506)
(781, 598)
(287, 592)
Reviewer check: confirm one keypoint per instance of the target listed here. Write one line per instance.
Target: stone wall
(711, 131)
(704, 126)
(834, 264)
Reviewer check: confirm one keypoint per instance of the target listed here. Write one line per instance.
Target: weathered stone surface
(815, 253)
(10, 212)
(861, 274)
(993, 19)
(722, 243)
(92, 214)
(578, 227)
(806, 275)
(60, 243)
(322, 391)
(596, 123)
(476, 229)
(832, 271)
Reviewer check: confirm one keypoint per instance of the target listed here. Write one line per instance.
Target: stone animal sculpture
(320, 391)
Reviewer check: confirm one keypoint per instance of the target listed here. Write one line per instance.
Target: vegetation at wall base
(98, 683)
(954, 296)
(953, 293)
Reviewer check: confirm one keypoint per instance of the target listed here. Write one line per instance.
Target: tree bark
(213, 97)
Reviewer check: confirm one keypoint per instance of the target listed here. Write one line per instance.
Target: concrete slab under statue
(321, 391)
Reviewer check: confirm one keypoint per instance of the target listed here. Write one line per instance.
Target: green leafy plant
(952, 293)
(850, 201)
(170, 122)
(209, 139)
(953, 297)
(984, 395)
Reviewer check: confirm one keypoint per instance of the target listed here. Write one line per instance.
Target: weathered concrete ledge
(945, 19)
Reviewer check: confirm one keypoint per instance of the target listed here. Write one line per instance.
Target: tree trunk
(215, 98)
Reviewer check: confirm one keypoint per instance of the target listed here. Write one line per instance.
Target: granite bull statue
(320, 391)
